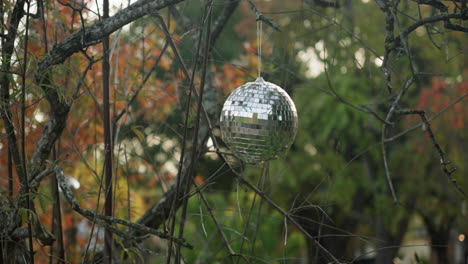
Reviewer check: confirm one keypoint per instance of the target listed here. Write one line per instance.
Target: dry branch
(102, 219)
(94, 34)
(443, 159)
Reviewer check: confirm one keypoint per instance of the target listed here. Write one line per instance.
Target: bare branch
(443, 159)
(286, 215)
(389, 38)
(142, 84)
(459, 99)
(100, 29)
(38, 232)
(263, 18)
(8, 45)
(388, 119)
(101, 219)
(222, 20)
(184, 21)
(52, 130)
(434, 3)
(219, 24)
(57, 122)
(323, 3)
(433, 19)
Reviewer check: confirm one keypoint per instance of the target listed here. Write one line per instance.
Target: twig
(218, 226)
(404, 40)
(207, 21)
(184, 21)
(56, 123)
(431, 19)
(364, 108)
(264, 177)
(389, 117)
(427, 27)
(91, 62)
(323, 3)
(108, 146)
(98, 30)
(57, 228)
(434, 3)
(8, 46)
(390, 247)
(219, 24)
(185, 71)
(249, 215)
(38, 232)
(389, 38)
(182, 160)
(260, 16)
(102, 219)
(387, 170)
(23, 135)
(287, 216)
(459, 99)
(34, 182)
(443, 159)
(145, 79)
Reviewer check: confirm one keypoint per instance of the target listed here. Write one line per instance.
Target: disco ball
(258, 121)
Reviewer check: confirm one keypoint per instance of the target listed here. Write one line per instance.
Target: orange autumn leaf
(199, 179)
(165, 63)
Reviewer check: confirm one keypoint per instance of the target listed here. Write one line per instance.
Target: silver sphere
(258, 121)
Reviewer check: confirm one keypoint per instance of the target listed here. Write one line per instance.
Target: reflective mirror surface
(258, 121)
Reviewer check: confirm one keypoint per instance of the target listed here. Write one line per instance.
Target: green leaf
(12, 80)
(43, 201)
(28, 213)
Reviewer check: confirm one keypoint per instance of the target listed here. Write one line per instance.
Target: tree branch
(434, 3)
(389, 38)
(184, 21)
(388, 119)
(219, 24)
(443, 159)
(8, 46)
(459, 99)
(222, 20)
(431, 19)
(140, 87)
(39, 232)
(93, 34)
(323, 3)
(59, 110)
(102, 219)
(262, 17)
(268, 200)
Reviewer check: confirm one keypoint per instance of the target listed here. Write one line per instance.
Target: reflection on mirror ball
(258, 121)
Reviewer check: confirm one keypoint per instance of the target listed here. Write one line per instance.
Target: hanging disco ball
(258, 121)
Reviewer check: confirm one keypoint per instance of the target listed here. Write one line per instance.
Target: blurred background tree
(353, 68)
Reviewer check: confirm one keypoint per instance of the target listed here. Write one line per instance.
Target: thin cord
(259, 46)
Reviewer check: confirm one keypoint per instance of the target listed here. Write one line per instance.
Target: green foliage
(270, 243)
(334, 171)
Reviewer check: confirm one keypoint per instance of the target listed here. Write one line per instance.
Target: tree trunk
(312, 219)
(439, 249)
(335, 245)
(440, 237)
(439, 255)
(387, 244)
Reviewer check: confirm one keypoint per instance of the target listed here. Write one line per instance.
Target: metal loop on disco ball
(258, 121)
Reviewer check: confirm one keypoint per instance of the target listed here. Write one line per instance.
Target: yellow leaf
(138, 133)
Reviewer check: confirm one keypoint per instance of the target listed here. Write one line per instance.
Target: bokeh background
(332, 180)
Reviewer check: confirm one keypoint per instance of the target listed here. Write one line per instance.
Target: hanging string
(259, 46)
